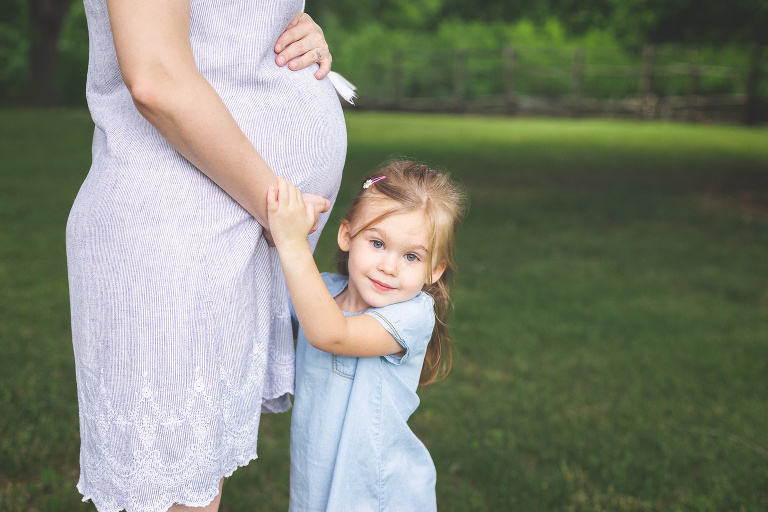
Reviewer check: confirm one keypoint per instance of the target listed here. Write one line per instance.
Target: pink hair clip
(368, 183)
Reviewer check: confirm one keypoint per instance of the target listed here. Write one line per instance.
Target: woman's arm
(324, 325)
(156, 61)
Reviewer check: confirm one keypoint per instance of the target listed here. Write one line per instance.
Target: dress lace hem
(200, 499)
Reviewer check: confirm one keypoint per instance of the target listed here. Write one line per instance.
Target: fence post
(458, 79)
(510, 102)
(397, 77)
(647, 101)
(578, 80)
(751, 103)
(692, 85)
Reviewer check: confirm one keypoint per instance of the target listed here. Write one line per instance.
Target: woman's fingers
(302, 40)
(295, 20)
(303, 61)
(288, 36)
(325, 66)
(303, 44)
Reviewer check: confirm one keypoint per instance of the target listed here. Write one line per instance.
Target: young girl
(368, 338)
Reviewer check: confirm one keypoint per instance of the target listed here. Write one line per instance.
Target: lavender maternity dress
(180, 321)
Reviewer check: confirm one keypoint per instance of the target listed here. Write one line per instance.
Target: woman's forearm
(188, 112)
(156, 61)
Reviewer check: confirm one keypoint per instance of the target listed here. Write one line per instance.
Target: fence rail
(658, 83)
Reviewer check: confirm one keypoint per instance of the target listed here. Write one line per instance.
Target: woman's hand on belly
(299, 46)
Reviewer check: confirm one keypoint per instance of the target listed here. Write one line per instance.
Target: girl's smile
(381, 286)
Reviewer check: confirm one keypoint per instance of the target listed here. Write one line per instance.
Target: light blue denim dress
(351, 448)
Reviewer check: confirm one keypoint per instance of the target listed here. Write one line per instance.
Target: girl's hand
(299, 46)
(290, 218)
(319, 205)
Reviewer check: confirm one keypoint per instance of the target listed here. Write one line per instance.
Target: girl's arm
(324, 325)
(156, 61)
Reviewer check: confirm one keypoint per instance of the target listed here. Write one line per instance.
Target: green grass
(611, 321)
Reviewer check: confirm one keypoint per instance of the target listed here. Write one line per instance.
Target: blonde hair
(416, 187)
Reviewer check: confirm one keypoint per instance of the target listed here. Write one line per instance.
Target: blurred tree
(579, 16)
(409, 14)
(47, 18)
(490, 10)
(73, 57)
(635, 22)
(691, 21)
(707, 22)
(14, 47)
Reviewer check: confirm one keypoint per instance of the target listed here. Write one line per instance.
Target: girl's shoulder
(417, 314)
(411, 324)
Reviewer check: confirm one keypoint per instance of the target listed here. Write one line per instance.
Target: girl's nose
(388, 264)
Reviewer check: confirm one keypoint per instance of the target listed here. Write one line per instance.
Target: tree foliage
(35, 33)
(691, 21)
(634, 22)
(14, 46)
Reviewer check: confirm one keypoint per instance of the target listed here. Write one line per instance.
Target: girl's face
(388, 262)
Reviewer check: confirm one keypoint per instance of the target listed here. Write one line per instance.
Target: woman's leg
(211, 507)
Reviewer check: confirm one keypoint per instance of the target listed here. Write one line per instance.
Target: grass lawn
(610, 326)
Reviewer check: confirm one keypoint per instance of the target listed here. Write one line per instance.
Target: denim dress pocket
(344, 366)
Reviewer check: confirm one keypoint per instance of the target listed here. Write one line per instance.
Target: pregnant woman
(180, 321)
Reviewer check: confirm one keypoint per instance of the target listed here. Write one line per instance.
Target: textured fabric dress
(351, 447)
(180, 320)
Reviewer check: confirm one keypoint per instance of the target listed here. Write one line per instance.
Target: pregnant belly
(293, 120)
(296, 123)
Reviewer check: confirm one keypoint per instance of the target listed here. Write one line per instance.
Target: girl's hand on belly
(319, 205)
(290, 218)
(302, 44)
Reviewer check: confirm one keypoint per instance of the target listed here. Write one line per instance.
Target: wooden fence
(659, 83)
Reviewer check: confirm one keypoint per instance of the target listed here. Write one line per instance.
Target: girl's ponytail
(438, 359)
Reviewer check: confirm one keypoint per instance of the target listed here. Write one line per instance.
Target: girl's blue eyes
(378, 244)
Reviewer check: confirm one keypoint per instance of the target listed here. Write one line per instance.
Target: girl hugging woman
(367, 338)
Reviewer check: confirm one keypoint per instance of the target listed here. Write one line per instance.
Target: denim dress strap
(411, 323)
